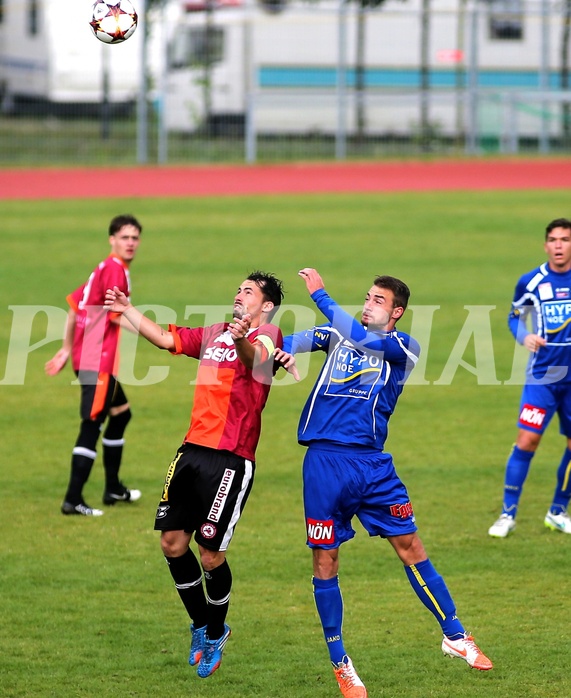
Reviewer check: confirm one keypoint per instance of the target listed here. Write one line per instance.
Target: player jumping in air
(209, 480)
(346, 471)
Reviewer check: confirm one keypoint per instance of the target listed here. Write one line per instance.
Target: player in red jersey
(91, 338)
(209, 480)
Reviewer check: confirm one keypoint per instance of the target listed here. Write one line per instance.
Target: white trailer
(49, 56)
(282, 68)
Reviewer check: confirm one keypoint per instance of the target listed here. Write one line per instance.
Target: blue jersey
(360, 381)
(542, 305)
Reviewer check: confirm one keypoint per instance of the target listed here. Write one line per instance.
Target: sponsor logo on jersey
(320, 532)
(353, 373)
(557, 315)
(220, 354)
(561, 293)
(402, 511)
(532, 416)
(220, 498)
(208, 530)
(545, 291)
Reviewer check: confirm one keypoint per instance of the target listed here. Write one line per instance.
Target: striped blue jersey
(359, 383)
(542, 305)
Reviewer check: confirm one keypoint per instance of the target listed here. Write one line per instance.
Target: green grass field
(88, 606)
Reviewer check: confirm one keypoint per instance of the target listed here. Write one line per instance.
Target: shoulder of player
(405, 341)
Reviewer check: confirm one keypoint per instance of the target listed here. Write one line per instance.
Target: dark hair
(120, 221)
(271, 287)
(400, 290)
(557, 223)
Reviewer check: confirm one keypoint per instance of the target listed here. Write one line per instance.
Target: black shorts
(205, 492)
(99, 392)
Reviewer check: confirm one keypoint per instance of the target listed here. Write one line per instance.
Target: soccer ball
(113, 21)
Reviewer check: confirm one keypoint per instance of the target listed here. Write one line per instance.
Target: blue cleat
(212, 654)
(197, 641)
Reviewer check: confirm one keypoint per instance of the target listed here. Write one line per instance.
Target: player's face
(379, 311)
(125, 242)
(558, 249)
(250, 300)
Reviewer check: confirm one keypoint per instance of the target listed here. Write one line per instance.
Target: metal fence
(211, 83)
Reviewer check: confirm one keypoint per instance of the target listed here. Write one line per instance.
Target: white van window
(505, 20)
(33, 17)
(196, 46)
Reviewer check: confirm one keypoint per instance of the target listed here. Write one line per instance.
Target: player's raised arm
(117, 302)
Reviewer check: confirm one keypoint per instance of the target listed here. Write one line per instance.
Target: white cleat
(465, 648)
(349, 683)
(558, 522)
(504, 526)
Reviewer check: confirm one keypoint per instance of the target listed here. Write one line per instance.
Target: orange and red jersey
(228, 399)
(96, 337)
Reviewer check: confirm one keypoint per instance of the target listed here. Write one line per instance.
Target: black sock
(218, 585)
(113, 443)
(80, 468)
(187, 576)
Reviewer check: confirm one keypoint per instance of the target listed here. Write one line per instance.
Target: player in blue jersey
(346, 472)
(540, 319)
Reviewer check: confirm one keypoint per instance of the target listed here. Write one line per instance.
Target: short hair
(557, 223)
(400, 290)
(124, 219)
(271, 288)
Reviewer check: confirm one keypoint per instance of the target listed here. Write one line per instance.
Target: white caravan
(281, 68)
(48, 55)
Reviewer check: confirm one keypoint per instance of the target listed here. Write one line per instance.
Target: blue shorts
(340, 483)
(540, 402)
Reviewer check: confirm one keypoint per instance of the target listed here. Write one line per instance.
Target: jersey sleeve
(187, 340)
(350, 328)
(314, 339)
(270, 338)
(519, 311)
(75, 297)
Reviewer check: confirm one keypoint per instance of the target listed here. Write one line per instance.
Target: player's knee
(117, 424)
(210, 559)
(173, 545)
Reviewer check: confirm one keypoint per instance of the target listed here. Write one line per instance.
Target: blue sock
(329, 604)
(433, 592)
(562, 493)
(517, 469)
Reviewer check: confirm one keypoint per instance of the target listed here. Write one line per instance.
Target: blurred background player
(346, 471)
(540, 319)
(209, 480)
(92, 338)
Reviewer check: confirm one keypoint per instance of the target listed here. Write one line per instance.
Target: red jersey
(96, 337)
(228, 400)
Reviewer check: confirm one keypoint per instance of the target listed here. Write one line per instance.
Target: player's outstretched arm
(117, 302)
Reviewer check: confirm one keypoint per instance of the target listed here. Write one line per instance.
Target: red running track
(296, 178)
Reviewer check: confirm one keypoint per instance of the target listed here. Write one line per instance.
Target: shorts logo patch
(220, 498)
(208, 530)
(162, 511)
(402, 511)
(532, 416)
(320, 532)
